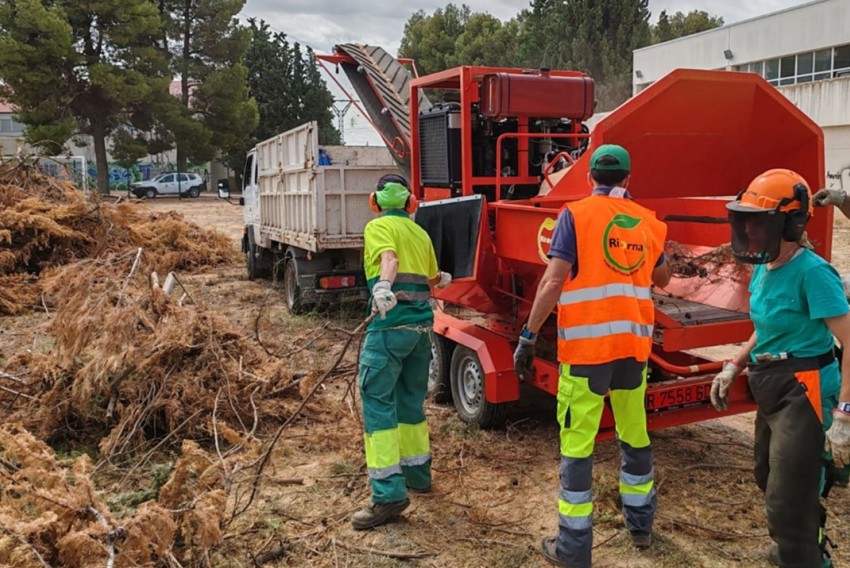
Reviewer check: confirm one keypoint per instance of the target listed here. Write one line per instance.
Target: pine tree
(70, 66)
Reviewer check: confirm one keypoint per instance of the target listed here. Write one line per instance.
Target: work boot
(641, 539)
(377, 514)
(550, 551)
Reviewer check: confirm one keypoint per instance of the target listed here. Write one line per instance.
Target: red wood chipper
(504, 149)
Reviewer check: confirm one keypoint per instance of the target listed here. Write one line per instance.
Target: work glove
(838, 438)
(383, 299)
(445, 280)
(720, 385)
(524, 354)
(826, 197)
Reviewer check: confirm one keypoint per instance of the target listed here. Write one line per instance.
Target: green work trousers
(393, 384)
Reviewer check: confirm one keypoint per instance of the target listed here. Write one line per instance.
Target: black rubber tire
(194, 192)
(251, 261)
(467, 380)
(292, 292)
(150, 193)
(439, 385)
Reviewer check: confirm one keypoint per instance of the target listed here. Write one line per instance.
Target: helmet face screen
(756, 235)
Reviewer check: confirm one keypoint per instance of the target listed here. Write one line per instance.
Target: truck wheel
(439, 386)
(467, 379)
(150, 193)
(291, 289)
(258, 261)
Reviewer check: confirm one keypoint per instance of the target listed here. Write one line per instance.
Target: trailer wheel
(467, 379)
(439, 385)
(291, 289)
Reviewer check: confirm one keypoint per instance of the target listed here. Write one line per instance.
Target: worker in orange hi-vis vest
(798, 309)
(606, 253)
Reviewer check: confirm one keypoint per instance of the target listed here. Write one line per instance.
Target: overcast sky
(324, 23)
(321, 24)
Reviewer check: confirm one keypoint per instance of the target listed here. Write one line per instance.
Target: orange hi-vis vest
(606, 312)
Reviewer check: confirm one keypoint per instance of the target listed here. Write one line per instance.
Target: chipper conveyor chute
(382, 84)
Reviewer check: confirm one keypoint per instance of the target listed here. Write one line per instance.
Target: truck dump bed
(312, 206)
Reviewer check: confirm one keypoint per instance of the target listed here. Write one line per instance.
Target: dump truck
(499, 152)
(305, 208)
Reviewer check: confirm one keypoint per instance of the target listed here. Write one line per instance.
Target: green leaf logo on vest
(620, 235)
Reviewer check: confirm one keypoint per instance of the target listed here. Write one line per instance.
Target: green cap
(613, 157)
(393, 196)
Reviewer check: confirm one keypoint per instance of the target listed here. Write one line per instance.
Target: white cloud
(321, 24)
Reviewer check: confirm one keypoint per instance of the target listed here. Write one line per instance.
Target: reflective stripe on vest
(606, 291)
(604, 330)
(606, 312)
(411, 287)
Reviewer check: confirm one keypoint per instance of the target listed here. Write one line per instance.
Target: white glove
(838, 438)
(445, 280)
(826, 197)
(383, 299)
(720, 385)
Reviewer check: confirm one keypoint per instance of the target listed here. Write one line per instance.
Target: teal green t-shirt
(788, 306)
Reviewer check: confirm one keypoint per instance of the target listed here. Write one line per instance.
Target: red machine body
(506, 95)
(696, 138)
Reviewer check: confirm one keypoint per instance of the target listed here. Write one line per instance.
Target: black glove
(524, 354)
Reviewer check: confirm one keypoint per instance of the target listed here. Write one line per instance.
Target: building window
(9, 125)
(787, 70)
(803, 67)
(771, 71)
(841, 61)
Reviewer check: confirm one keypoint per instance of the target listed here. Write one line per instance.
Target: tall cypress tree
(606, 33)
(213, 110)
(288, 88)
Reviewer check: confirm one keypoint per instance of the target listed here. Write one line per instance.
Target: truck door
(251, 211)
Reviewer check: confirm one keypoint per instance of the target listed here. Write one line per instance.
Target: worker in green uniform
(401, 267)
(798, 307)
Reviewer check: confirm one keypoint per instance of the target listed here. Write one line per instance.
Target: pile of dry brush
(132, 370)
(45, 223)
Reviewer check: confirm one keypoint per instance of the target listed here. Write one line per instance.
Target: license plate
(678, 397)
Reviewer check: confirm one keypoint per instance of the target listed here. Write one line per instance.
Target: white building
(804, 51)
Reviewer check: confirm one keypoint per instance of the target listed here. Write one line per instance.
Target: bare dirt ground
(495, 492)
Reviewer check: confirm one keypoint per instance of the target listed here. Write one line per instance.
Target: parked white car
(186, 185)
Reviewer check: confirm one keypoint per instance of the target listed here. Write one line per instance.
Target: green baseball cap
(392, 196)
(612, 157)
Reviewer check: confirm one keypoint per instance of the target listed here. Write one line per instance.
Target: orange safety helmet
(775, 206)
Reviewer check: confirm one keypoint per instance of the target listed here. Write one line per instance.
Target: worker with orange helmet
(605, 254)
(400, 266)
(797, 304)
